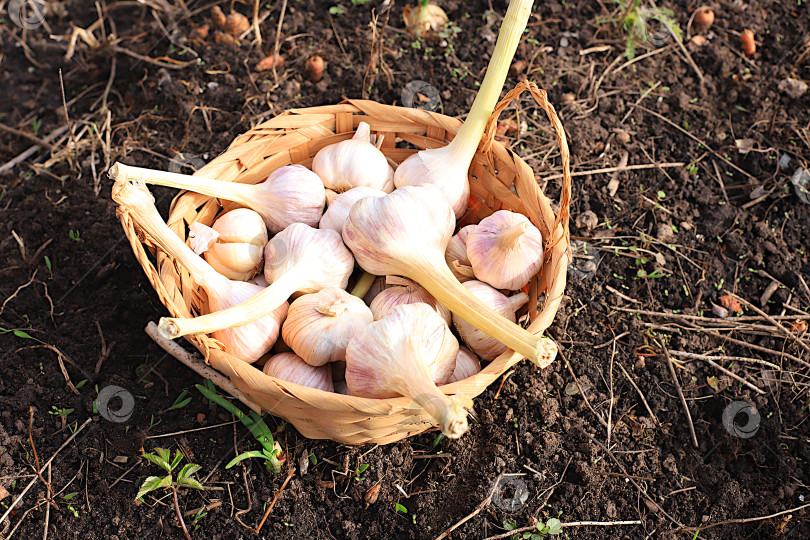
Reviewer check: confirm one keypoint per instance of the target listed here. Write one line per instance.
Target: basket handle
(541, 98)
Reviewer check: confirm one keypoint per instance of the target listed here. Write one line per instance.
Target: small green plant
(336, 10)
(185, 479)
(36, 123)
(74, 235)
(181, 401)
(270, 451)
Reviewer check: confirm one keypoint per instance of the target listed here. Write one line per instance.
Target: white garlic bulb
(249, 342)
(456, 255)
(451, 180)
(408, 353)
(353, 163)
(405, 291)
(467, 365)
(291, 194)
(339, 205)
(299, 259)
(292, 368)
(233, 245)
(319, 326)
(485, 346)
(505, 250)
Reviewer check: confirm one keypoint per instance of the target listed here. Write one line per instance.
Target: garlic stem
(516, 301)
(440, 282)
(462, 148)
(449, 412)
(363, 285)
(233, 191)
(509, 237)
(254, 308)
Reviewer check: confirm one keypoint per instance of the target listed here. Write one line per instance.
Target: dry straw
(499, 179)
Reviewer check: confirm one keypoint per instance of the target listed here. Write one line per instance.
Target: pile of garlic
(274, 273)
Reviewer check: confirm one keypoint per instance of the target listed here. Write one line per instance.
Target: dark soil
(86, 288)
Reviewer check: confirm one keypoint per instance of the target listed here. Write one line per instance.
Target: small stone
(587, 220)
(794, 88)
(622, 136)
(567, 98)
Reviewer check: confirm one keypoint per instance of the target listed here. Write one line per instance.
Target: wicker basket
(499, 180)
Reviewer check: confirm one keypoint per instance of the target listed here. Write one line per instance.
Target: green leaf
(187, 470)
(400, 508)
(180, 402)
(165, 454)
(246, 455)
(509, 525)
(190, 482)
(554, 526)
(362, 468)
(157, 460)
(152, 483)
(21, 334)
(69, 496)
(178, 457)
(313, 459)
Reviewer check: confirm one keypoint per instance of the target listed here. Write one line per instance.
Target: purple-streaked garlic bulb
(404, 291)
(505, 250)
(408, 353)
(467, 365)
(483, 345)
(292, 368)
(320, 325)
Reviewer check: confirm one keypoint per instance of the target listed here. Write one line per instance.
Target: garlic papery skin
(353, 163)
(377, 286)
(291, 194)
(447, 167)
(338, 208)
(483, 345)
(505, 250)
(299, 259)
(467, 365)
(233, 245)
(456, 255)
(319, 326)
(247, 342)
(405, 234)
(405, 291)
(408, 353)
(292, 368)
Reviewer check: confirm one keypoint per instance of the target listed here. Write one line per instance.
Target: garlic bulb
(319, 326)
(247, 342)
(233, 245)
(456, 255)
(339, 206)
(291, 368)
(447, 167)
(505, 250)
(405, 292)
(485, 346)
(291, 194)
(353, 163)
(467, 365)
(408, 353)
(377, 286)
(405, 234)
(298, 259)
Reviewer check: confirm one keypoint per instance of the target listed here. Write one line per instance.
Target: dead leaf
(731, 304)
(799, 327)
(372, 494)
(713, 383)
(3, 492)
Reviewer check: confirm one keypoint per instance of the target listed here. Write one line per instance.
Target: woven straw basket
(499, 180)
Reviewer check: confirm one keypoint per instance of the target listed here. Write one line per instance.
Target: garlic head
(451, 180)
(405, 291)
(319, 326)
(408, 353)
(485, 346)
(467, 365)
(456, 255)
(353, 163)
(293, 194)
(505, 250)
(233, 245)
(292, 368)
(338, 209)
